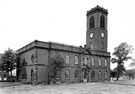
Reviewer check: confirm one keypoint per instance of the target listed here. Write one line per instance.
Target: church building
(34, 57)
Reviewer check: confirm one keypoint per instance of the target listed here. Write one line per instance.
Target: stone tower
(96, 37)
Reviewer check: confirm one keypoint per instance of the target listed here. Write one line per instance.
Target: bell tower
(96, 36)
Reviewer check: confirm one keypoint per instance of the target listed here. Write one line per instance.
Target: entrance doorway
(86, 76)
(32, 76)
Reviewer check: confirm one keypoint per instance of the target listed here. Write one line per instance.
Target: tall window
(91, 23)
(76, 73)
(76, 59)
(106, 75)
(24, 63)
(67, 59)
(102, 21)
(5, 77)
(24, 73)
(105, 62)
(0, 78)
(93, 62)
(85, 61)
(99, 62)
(99, 75)
(32, 58)
(58, 74)
(32, 75)
(67, 74)
(85, 75)
(93, 74)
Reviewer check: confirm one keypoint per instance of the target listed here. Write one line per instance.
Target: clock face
(91, 35)
(102, 34)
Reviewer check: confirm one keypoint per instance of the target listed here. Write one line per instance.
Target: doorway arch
(32, 76)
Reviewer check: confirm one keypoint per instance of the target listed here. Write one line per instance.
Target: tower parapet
(99, 9)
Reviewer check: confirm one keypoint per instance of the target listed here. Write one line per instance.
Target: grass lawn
(78, 88)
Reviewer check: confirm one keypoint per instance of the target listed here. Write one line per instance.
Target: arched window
(102, 21)
(85, 61)
(24, 63)
(93, 74)
(0, 78)
(32, 58)
(5, 77)
(99, 62)
(24, 73)
(99, 75)
(106, 75)
(93, 61)
(105, 62)
(67, 59)
(76, 59)
(67, 74)
(58, 74)
(32, 76)
(76, 73)
(85, 75)
(91, 23)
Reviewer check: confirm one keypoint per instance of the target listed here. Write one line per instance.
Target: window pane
(106, 75)
(99, 75)
(58, 75)
(92, 61)
(76, 59)
(91, 22)
(76, 73)
(102, 21)
(67, 59)
(85, 60)
(92, 74)
(105, 62)
(99, 62)
(0, 78)
(85, 74)
(67, 75)
(24, 74)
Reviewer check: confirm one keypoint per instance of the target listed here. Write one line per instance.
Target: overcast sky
(63, 21)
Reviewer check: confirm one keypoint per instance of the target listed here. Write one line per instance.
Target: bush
(11, 78)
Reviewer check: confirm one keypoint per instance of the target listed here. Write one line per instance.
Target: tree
(130, 73)
(56, 64)
(120, 69)
(9, 59)
(120, 55)
(113, 73)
